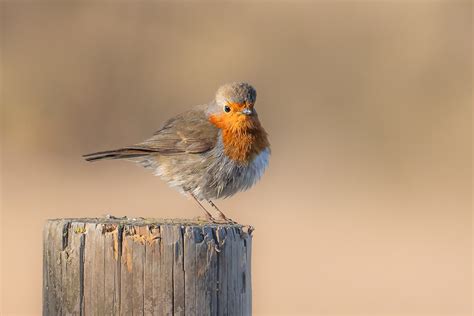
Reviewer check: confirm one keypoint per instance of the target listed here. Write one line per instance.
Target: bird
(208, 152)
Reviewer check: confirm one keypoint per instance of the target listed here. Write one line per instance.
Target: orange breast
(243, 137)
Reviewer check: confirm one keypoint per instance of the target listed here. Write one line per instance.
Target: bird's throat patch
(244, 138)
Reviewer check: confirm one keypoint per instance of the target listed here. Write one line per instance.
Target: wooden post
(120, 266)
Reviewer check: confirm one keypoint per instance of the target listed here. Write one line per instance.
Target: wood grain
(120, 266)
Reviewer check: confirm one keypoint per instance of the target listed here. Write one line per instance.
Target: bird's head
(234, 107)
(233, 112)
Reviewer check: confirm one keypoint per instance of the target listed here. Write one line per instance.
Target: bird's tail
(122, 153)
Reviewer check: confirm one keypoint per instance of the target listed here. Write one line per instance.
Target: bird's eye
(226, 109)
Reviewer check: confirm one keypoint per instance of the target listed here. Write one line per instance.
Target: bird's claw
(222, 219)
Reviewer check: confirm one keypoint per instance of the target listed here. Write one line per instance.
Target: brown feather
(190, 132)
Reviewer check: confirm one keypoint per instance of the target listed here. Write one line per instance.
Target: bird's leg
(209, 216)
(221, 215)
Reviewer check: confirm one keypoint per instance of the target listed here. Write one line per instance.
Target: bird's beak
(247, 111)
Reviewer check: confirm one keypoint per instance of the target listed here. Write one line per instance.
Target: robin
(211, 151)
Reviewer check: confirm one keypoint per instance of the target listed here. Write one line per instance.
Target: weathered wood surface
(119, 266)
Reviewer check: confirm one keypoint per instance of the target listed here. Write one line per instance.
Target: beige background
(366, 206)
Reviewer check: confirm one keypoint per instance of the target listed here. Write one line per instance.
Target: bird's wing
(188, 132)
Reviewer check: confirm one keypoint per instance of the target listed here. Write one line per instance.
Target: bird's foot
(221, 216)
(222, 219)
(205, 218)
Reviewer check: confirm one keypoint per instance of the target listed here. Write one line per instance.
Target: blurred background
(366, 206)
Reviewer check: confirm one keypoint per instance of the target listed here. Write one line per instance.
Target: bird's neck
(243, 140)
